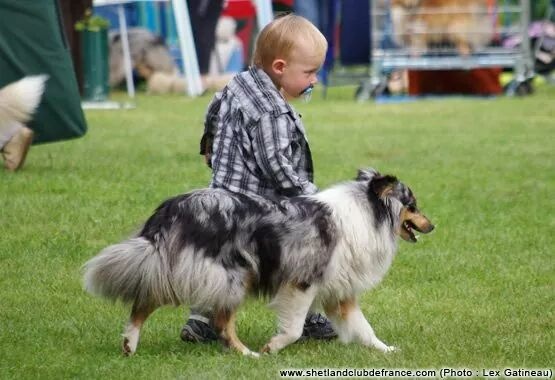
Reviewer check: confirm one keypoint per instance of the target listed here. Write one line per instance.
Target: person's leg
(26, 28)
(204, 16)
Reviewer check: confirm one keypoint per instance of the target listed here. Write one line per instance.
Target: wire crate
(447, 35)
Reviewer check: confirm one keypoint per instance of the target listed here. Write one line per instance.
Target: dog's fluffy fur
(419, 24)
(210, 248)
(151, 60)
(149, 54)
(18, 100)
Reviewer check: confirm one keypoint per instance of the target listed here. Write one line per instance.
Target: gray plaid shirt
(257, 140)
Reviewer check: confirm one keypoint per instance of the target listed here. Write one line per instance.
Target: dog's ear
(366, 174)
(383, 185)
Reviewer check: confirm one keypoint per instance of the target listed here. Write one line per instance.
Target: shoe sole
(318, 337)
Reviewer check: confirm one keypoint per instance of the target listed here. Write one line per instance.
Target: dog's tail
(18, 100)
(131, 271)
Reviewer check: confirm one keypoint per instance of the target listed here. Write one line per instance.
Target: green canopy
(32, 42)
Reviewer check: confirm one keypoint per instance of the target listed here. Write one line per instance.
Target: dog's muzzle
(412, 222)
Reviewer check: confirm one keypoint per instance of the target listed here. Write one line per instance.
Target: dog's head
(389, 189)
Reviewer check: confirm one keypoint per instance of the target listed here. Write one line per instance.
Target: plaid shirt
(258, 142)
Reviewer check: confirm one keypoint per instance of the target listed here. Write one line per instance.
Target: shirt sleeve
(210, 124)
(272, 140)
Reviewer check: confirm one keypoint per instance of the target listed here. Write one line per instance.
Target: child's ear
(278, 65)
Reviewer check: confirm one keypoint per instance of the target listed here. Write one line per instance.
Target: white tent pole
(187, 46)
(126, 54)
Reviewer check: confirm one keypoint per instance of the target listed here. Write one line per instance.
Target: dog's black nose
(426, 228)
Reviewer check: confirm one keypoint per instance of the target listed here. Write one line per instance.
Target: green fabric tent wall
(32, 41)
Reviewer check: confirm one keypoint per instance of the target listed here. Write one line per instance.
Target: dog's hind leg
(139, 314)
(224, 321)
(292, 304)
(350, 324)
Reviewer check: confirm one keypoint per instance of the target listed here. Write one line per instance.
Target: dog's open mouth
(407, 231)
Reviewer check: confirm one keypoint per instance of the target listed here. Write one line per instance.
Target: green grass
(477, 293)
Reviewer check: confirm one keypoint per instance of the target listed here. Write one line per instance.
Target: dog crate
(447, 35)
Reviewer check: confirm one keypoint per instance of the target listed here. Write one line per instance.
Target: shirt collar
(267, 86)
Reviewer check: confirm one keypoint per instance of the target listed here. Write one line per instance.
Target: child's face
(298, 72)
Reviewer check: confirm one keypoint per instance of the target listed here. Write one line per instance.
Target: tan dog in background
(418, 24)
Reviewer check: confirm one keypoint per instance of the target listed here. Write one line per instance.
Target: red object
(475, 82)
(287, 3)
(239, 9)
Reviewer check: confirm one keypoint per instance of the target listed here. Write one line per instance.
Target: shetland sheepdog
(211, 248)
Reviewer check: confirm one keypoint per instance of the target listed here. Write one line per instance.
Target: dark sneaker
(316, 326)
(198, 332)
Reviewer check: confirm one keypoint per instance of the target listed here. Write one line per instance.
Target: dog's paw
(130, 340)
(252, 354)
(266, 349)
(126, 348)
(391, 349)
(381, 346)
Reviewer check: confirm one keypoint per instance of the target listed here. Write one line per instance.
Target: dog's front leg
(351, 325)
(292, 304)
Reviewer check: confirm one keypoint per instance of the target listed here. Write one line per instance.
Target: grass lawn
(477, 293)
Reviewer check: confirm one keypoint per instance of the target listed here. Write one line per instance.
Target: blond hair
(282, 35)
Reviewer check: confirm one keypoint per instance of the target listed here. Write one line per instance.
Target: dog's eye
(411, 208)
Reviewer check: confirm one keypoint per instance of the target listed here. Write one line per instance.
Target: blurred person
(18, 102)
(204, 15)
(32, 42)
(314, 11)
